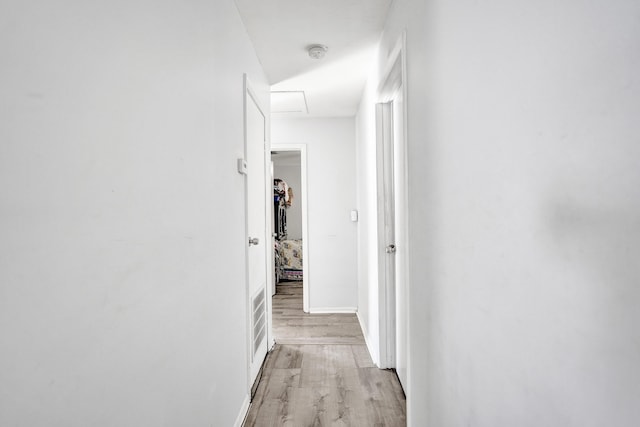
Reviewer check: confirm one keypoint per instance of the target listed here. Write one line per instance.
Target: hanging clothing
(289, 198)
(280, 195)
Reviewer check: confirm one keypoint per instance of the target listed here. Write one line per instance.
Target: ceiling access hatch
(289, 102)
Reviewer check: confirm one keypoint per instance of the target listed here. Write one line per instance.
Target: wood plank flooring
(293, 326)
(320, 373)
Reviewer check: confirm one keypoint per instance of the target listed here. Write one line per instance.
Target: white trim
(244, 410)
(245, 94)
(302, 148)
(268, 181)
(405, 215)
(365, 334)
(332, 310)
(392, 76)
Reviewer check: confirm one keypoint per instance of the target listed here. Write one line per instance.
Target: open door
(392, 216)
(386, 233)
(257, 241)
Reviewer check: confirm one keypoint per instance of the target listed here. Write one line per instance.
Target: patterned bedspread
(291, 254)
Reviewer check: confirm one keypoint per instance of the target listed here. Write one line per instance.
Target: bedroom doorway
(289, 227)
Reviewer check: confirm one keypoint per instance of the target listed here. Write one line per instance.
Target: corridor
(320, 372)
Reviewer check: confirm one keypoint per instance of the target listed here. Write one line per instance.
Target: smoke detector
(317, 51)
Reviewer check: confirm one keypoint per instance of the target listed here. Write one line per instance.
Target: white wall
(367, 234)
(119, 283)
(289, 171)
(331, 196)
(524, 206)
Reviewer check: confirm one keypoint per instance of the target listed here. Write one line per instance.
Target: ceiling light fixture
(317, 51)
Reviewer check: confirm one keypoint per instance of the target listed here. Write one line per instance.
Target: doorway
(292, 158)
(392, 216)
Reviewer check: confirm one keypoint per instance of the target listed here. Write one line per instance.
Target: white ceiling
(282, 30)
(286, 158)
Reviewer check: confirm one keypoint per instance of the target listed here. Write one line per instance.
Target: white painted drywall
(289, 170)
(524, 202)
(121, 213)
(331, 196)
(367, 234)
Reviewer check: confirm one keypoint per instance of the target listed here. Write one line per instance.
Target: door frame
(394, 80)
(302, 148)
(250, 94)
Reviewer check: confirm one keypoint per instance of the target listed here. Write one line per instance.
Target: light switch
(354, 215)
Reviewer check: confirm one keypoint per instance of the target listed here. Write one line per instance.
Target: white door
(393, 236)
(257, 242)
(386, 230)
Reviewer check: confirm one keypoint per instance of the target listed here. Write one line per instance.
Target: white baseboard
(243, 412)
(365, 333)
(332, 310)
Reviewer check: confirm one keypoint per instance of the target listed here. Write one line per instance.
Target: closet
(281, 201)
(288, 252)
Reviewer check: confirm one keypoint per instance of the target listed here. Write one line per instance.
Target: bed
(289, 260)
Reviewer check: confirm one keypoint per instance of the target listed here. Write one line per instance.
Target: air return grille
(258, 320)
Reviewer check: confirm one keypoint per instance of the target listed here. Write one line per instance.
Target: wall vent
(258, 320)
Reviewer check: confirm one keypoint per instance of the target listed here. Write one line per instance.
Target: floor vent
(259, 320)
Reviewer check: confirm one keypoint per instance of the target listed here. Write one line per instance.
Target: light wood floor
(320, 373)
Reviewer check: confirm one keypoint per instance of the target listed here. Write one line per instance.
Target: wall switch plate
(354, 215)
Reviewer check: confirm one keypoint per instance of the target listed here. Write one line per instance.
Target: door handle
(390, 249)
(253, 241)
